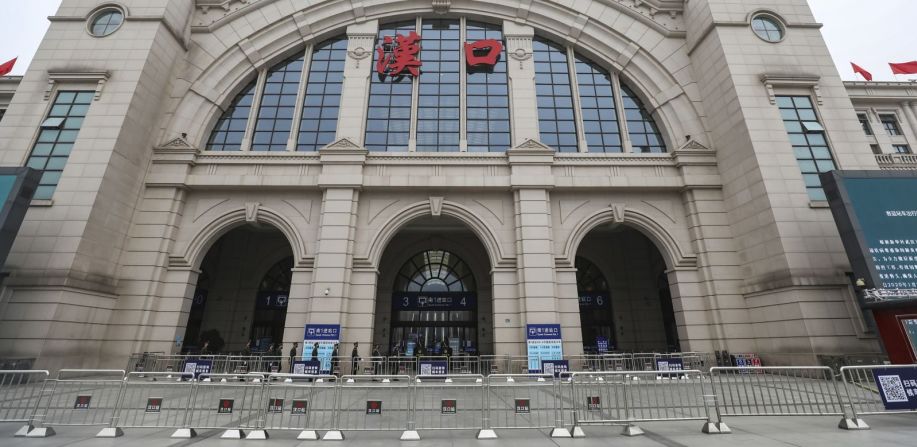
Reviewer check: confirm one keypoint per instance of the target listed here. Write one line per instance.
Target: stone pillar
(531, 180)
(909, 114)
(520, 70)
(361, 39)
(341, 178)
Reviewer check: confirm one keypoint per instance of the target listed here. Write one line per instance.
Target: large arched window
(435, 271)
(451, 102)
(589, 278)
(271, 102)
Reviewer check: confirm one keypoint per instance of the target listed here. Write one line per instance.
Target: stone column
(361, 39)
(531, 180)
(520, 69)
(341, 179)
(909, 114)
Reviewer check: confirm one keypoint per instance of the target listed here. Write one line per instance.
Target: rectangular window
(322, 100)
(388, 123)
(890, 122)
(487, 97)
(278, 101)
(875, 149)
(438, 107)
(554, 92)
(902, 149)
(864, 121)
(55, 141)
(809, 141)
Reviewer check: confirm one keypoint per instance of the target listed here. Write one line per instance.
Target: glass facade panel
(556, 119)
(323, 95)
(388, 124)
(809, 145)
(644, 135)
(230, 129)
(438, 108)
(597, 102)
(53, 146)
(278, 101)
(487, 96)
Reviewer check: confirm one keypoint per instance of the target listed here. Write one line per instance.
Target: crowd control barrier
(20, 393)
(523, 401)
(864, 386)
(775, 391)
(231, 402)
(377, 403)
(78, 397)
(299, 402)
(152, 400)
(448, 402)
(631, 397)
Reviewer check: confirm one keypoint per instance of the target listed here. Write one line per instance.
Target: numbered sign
(153, 405)
(374, 407)
(225, 406)
(523, 406)
(448, 406)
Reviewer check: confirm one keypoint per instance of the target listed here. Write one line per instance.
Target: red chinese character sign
(483, 52)
(399, 54)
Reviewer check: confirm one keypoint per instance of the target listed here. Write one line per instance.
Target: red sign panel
(374, 407)
(448, 406)
(299, 407)
(275, 405)
(593, 403)
(82, 402)
(483, 52)
(523, 406)
(225, 406)
(153, 405)
(398, 54)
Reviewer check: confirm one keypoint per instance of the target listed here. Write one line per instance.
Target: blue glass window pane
(277, 103)
(640, 125)
(599, 117)
(555, 102)
(227, 134)
(72, 107)
(323, 95)
(810, 148)
(390, 99)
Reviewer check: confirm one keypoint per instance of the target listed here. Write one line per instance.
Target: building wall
(110, 265)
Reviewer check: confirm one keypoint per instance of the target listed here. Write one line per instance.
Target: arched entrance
(434, 291)
(242, 292)
(624, 293)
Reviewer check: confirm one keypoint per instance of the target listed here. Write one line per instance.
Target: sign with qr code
(897, 386)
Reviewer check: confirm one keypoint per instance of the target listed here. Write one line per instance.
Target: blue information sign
(433, 368)
(544, 343)
(434, 301)
(897, 386)
(602, 344)
(326, 335)
(198, 367)
(307, 367)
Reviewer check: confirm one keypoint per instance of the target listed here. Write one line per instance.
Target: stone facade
(109, 266)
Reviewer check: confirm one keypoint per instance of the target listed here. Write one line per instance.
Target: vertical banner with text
(544, 343)
(326, 335)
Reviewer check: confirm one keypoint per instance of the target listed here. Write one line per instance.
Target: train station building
(422, 173)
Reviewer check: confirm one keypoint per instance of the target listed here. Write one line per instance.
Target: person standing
(335, 360)
(354, 358)
(315, 352)
(293, 356)
(377, 360)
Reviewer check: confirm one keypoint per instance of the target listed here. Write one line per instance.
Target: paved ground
(898, 430)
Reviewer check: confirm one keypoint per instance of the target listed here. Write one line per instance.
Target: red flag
(7, 66)
(904, 68)
(859, 70)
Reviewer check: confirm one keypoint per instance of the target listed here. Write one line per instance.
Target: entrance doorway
(624, 297)
(242, 293)
(434, 292)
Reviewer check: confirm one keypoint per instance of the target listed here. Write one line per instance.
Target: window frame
(98, 13)
(792, 95)
(899, 132)
(774, 19)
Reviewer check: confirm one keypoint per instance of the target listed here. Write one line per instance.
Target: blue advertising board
(602, 344)
(197, 367)
(434, 301)
(544, 343)
(326, 335)
(897, 386)
(876, 214)
(433, 368)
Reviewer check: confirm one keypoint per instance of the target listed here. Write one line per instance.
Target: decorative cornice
(791, 80)
(98, 77)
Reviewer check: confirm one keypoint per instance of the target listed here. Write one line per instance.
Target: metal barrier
(153, 400)
(87, 397)
(20, 394)
(864, 396)
(402, 366)
(226, 401)
(628, 397)
(775, 391)
(523, 401)
(452, 402)
(379, 403)
(299, 402)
